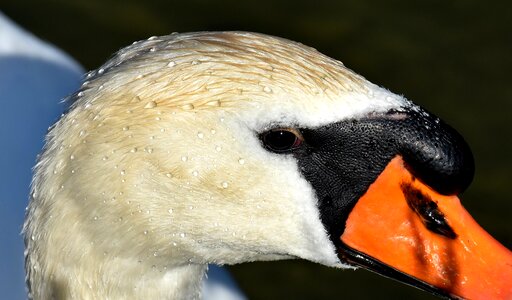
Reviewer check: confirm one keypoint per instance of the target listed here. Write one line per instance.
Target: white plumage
(157, 169)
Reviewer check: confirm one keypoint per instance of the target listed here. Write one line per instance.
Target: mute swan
(231, 147)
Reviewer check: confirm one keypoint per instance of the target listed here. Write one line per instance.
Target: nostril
(394, 114)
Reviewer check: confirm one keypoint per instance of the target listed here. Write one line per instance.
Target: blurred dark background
(452, 57)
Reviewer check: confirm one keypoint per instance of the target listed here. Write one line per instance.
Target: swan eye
(282, 139)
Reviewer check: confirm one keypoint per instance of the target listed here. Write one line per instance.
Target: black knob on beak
(434, 151)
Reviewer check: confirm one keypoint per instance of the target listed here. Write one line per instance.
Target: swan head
(222, 148)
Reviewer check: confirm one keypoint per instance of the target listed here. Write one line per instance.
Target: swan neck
(116, 278)
(178, 282)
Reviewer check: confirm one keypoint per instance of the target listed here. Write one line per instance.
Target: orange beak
(403, 229)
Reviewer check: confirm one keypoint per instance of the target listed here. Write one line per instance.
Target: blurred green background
(452, 57)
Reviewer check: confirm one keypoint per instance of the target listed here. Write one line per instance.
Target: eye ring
(281, 140)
